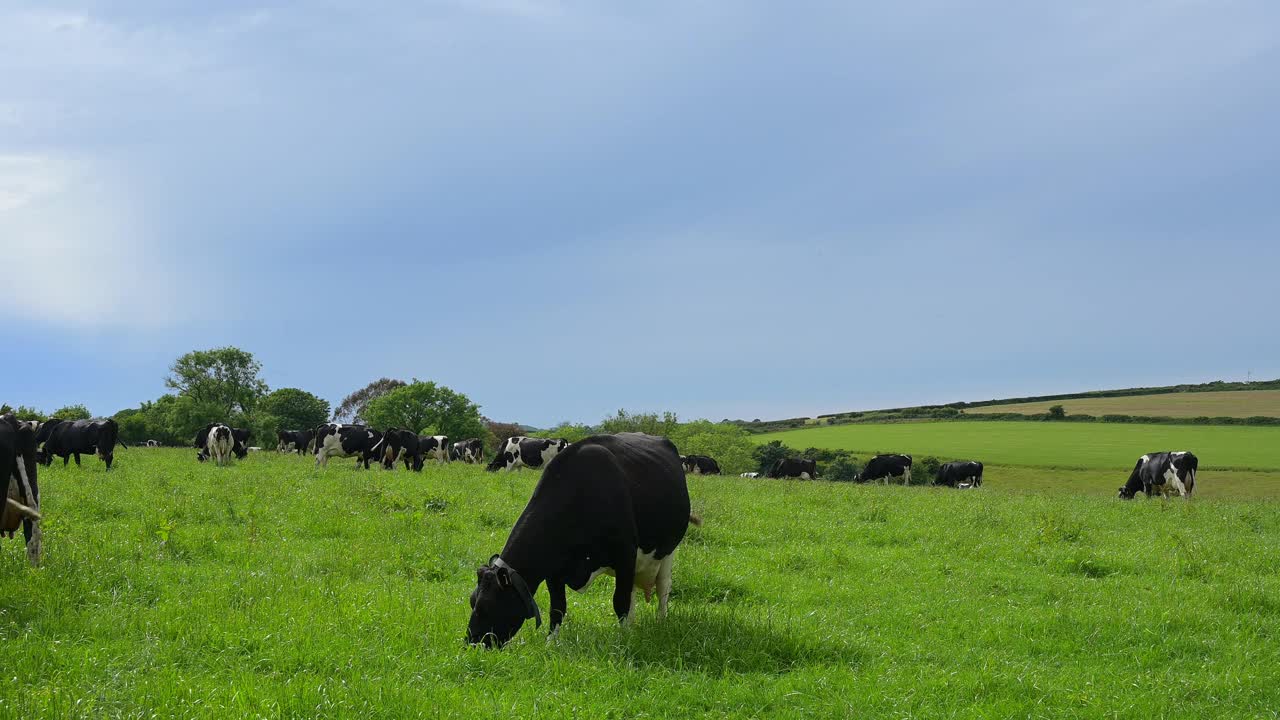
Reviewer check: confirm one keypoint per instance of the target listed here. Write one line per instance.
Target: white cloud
(71, 257)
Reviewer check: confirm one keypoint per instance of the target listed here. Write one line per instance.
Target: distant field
(1044, 444)
(1241, 403)
(271, 589)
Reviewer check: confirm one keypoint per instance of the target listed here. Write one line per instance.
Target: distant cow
(219, 444)
(18, 469)
(794, 468)
(961, 474)
(883, 467)
(699, 465)
(338, 440)
(519, 451)
(468, 451)
(298, 441)
(151, 443)
(609, 504)
(67, 438)
(239, 441)
(1166, 472)
(750, 475)
(435, 446)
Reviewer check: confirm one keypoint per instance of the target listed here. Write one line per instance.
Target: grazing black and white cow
(794, 468)
(520, 451)
(883, 467)
(18, 469)
(1163, 472)
(338, 440)
(434, 446)
(298, 441)
(68, 438)
(218, 444)
(151, 444)
(699, 465)
(399, 444)
(962, 474)
(239, 441)
(611, 504)
(468, 451)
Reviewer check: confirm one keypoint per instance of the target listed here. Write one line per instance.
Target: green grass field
(1240, 403)
(271, 589)
(1058, 445)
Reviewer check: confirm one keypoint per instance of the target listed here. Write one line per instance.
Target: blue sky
(723, 208)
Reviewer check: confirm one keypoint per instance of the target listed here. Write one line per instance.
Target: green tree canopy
(223, 378)
(650, 423)
(295, 409)
(22, 412)
(425, 405)
(352, 406)
(72, 412)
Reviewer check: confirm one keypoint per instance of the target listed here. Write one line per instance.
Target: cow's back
(655, 482)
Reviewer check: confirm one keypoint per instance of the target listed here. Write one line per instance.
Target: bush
(843, 469)
(766, 455)
(72, 412)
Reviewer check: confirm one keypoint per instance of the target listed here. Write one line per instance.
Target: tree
(421, 406)
(767, 455)
(22, 412)
(72, 412)
(568, 431)
(352, 406)
(1057, 412)
(223, 378)
(649, 423)
(729, 444)
(295, 409)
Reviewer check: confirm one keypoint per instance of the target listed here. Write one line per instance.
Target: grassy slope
(271, 589)
(1040, 444)
(1241, 403)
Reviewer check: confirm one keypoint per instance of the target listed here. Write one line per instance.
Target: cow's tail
(23, 509)
(695, 519)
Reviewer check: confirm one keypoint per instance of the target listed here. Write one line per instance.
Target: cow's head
(1130, 489)
(500, 604)
(499, 461)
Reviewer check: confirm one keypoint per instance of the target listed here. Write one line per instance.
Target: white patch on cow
(805, 475)
(441, 452)
(550, 452)
(34, 545)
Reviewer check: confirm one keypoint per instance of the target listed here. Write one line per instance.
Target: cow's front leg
(77, 459)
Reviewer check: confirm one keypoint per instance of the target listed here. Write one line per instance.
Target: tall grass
(272, 589)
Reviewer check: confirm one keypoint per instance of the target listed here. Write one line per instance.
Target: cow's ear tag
(504, 578)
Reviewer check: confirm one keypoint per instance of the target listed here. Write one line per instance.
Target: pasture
(1099, 446)
(1238, 403)
(272, 589)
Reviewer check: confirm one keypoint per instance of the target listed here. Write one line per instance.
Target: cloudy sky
(726, 208)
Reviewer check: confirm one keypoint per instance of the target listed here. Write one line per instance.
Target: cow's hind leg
(30, 526)
(664, 583)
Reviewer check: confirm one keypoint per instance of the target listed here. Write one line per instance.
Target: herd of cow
(607, 504)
